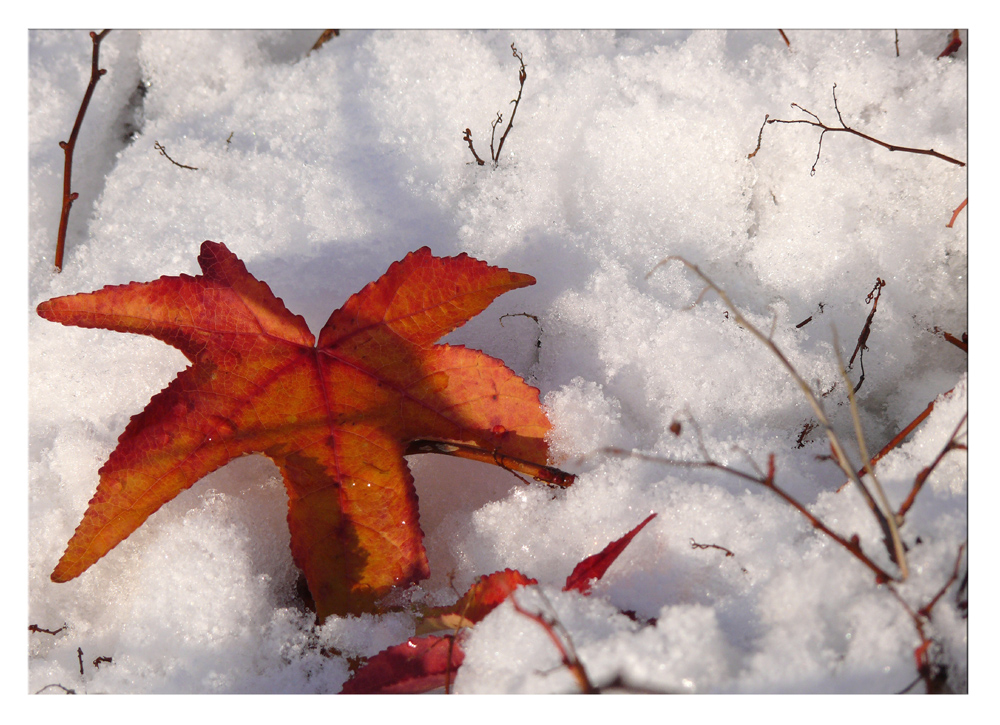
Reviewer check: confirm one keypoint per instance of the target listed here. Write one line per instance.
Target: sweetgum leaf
(593, 567)
(335, 418)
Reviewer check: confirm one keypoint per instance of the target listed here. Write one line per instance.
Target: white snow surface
(320, 169)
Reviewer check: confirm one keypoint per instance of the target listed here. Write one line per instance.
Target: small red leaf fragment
(954, 43)
(481, 599)
(418, 665)
(593, 567)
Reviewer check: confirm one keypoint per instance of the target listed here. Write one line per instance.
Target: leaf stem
(546, 474)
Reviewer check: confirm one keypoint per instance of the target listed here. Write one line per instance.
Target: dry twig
(934, 675)
(873, 298)
(567, 652)
(921, 479)
(159, 147)
(844, 128)
(522, 75)
(69, 196)
(954, 214)
(885, 518)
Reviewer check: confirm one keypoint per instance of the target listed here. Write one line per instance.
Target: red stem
(954, 216)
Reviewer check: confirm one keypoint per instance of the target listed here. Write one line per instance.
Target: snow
(320, 169)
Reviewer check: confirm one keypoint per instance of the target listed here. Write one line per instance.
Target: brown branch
(847, 129)
(495, 154)
(467, 136)
(873, 297)
(567, 652)
(853, 545)
(785, 38)
(897, 439)
(921, 479)
(925, 611)
(69, 196)
(546, 474)
(159, 147)
(36, 628)
(897, 42)
(954, 215)
(808, 428)
(522, 75)
(962, 345)
(934, 675)
(760, 135)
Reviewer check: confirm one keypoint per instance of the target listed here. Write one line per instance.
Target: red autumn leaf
(335, 417)
(418, 665)
(954, 43)
(481, 599)
(593, 567)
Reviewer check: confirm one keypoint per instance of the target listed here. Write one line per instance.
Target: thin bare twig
(522, 75)
(921, 479)
(69, 196)
(893, 540)
(468, 137)
(853, 545)
(873, 297)
(925, 611)
(567, 652)
(844, 128)
(954, 215)
(934, 675)
(159, 147)
(760, 135)
(899, 437)
(962, 344)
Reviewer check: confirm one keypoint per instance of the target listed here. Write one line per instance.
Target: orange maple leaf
(335, 417)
